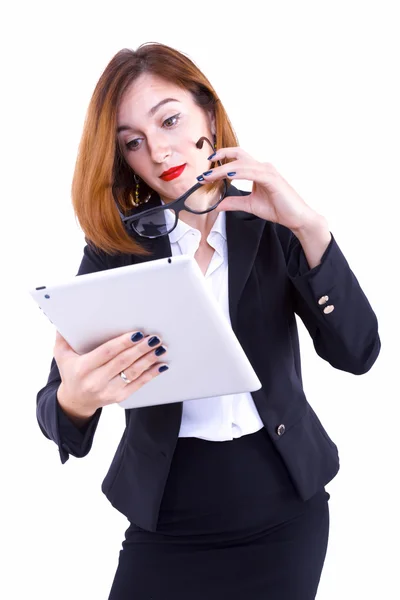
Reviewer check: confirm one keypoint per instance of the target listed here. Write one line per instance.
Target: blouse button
(281, 429)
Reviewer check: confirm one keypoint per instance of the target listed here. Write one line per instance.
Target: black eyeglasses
(156, 222)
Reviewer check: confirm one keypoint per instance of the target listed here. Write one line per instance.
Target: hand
(271, 198)
(92, 380)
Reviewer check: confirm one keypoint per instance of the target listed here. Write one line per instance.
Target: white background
(312, 87)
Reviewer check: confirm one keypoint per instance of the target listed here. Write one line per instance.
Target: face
(158, 125)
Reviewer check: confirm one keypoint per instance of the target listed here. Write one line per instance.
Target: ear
(212, 123)
(209, 115)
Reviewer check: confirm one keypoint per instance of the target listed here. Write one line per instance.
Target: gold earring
(136, 201)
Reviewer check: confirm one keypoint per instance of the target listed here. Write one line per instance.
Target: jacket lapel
(243, 232)
(158, 247)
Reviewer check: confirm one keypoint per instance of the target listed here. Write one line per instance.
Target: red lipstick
(172, 173)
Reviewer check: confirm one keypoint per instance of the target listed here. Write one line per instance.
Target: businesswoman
(225, 497)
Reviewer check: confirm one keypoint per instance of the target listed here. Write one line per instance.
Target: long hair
(100, 164)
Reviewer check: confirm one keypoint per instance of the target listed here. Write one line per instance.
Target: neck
(203, 223)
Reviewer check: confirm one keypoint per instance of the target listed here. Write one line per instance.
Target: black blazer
(269, 281)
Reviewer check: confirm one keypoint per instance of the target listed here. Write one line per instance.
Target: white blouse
(222, 417)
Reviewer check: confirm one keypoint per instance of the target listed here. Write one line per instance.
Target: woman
(225, 496)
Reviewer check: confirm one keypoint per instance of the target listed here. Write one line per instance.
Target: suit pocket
(310, 455)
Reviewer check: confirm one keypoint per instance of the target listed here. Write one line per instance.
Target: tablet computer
(167, 297)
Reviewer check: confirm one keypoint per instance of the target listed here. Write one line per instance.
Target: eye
(133, 144)
(171, 121)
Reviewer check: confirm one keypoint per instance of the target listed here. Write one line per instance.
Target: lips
(172, 173)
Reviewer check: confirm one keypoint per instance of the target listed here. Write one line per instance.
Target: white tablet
(168, 297)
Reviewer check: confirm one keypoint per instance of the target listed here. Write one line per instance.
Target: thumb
(61, 347)
(233, 203)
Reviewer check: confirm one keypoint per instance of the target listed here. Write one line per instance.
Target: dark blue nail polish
(136, 337)
(207, 172)
(163, 368)
(159, 351)
(232, 173)
(212, 156)
(200, 178)
(153, 341)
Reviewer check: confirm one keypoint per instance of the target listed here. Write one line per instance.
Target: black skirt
(231, 525)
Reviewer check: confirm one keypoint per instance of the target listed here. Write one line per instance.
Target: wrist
(73, 411)
(315, 227)
(314, 237)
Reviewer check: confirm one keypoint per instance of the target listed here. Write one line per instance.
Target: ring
(124, 377)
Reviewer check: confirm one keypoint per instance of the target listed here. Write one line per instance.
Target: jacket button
(323, 300)
(281, 429)
(329, 309)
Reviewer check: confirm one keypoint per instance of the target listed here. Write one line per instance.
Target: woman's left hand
(271, 198)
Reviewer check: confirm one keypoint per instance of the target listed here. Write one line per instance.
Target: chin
(177, 187)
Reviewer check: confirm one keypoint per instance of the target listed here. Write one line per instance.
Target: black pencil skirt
(231, 527)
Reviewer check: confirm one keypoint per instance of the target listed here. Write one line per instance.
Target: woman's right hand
(92, 380)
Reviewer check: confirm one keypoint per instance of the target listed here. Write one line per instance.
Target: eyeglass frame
(176, 205)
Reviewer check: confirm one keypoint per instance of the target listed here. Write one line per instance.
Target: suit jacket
(269, 282)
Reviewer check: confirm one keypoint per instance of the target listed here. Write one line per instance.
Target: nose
(159, 148)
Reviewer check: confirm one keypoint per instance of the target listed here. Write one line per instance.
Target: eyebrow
(151, 113)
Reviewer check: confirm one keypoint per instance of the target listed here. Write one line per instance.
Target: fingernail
(160, 351)
(212, 156)
(232, 174)
(136, 337)
(200, 178)
(163, 368)
(207, 172)
(153, 341)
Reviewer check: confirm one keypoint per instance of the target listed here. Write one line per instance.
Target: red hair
(100, 163)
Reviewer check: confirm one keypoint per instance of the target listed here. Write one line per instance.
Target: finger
(127, 357)
(142, 364)
(250, 171)
(60, 340)
(106, 352)
(229, 153)
(134, 386)
(234, 203)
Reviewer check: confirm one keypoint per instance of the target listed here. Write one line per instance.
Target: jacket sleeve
(53, 422)
(347, 336)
